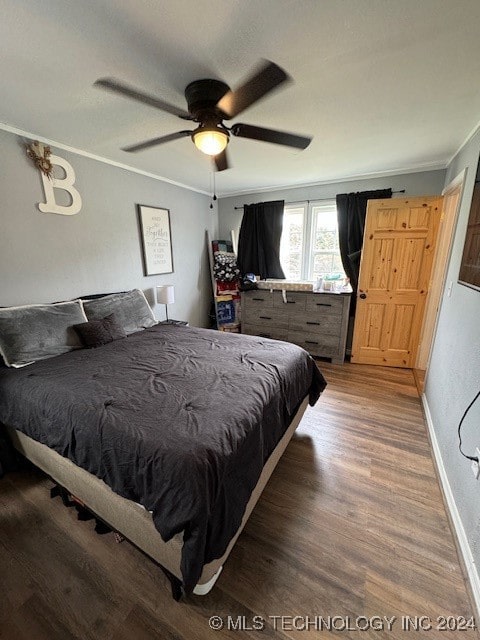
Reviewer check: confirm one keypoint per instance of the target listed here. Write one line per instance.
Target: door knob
(363, 296)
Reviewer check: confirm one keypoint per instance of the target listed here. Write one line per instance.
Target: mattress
(180, 420)
(130, 518)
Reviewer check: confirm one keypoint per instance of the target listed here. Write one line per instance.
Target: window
(309, 245)
(292, 242)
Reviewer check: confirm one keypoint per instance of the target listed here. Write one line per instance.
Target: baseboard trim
(470, 566)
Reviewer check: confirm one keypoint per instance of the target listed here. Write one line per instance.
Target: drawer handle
(265, 317)
(322, 304)
(317, 323)
(258, 299)
(264, 335)
(291, 301)
(310, 342)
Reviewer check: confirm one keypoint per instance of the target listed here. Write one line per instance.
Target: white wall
(49, 257)
(454, 374)
(424, 183)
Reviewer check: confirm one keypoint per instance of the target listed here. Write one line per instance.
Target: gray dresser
(318, 322)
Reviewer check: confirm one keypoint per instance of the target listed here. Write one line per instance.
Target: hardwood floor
(352, 523)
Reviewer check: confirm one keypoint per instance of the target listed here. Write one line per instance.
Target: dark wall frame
(156, 236)
(469, 274)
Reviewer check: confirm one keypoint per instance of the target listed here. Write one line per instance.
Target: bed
(168, 435)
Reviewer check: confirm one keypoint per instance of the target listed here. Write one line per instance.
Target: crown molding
(92, 156)
(430, 166)
(465, 142)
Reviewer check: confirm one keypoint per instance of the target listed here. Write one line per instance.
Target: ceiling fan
(210, 102)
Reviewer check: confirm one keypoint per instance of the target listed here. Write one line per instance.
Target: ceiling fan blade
(110, 84)
(270, 135)
(221, 161)
(256, 87)
(154, 141)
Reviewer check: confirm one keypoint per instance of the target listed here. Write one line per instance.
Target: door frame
(440, 268)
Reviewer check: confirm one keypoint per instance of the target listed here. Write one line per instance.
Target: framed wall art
(469, 274)
(156, 240)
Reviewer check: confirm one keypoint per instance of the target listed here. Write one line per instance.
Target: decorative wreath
(40, 154)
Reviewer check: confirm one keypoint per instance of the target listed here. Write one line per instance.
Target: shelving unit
(226, 299)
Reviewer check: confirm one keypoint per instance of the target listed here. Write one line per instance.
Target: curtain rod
(316, 200)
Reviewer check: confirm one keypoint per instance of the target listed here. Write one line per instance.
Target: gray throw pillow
(131, 309)
(36, 332)
(96, 333)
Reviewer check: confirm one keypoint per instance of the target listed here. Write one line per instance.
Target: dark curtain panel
(259, 239)
(351, 213)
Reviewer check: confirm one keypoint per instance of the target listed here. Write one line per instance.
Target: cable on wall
(474, 458)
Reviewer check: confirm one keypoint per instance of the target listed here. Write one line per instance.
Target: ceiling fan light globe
(210, 141)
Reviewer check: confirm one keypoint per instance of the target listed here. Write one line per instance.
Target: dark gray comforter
(178, 419)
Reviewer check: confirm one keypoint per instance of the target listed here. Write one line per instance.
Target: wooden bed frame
(131, 519)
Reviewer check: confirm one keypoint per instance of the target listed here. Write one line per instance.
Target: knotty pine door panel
(397, 258)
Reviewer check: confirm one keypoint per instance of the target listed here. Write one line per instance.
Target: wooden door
(450, 207)
(397, 256)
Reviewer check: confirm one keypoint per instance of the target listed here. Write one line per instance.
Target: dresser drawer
(312, 322)
(266, 316)
(264, 331)
(318, 322)
(325, 345)
(295, 301)
(325, 304)
(257, 300)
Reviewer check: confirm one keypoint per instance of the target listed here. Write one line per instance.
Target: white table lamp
(166, 296)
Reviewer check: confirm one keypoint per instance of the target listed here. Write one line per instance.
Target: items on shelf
(330, 283)
(228, 312)
(225, 282)
(225, 268)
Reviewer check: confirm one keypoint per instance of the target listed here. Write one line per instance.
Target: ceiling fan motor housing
(202, 97)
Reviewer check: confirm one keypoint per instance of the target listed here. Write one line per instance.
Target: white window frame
(295, 207)
(309, 220)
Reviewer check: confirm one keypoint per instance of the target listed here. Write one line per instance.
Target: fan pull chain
(214, 194)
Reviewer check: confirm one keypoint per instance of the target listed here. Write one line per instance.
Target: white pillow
(131, 309)
(39, 331)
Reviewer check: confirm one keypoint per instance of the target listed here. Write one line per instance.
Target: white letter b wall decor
(66, 183)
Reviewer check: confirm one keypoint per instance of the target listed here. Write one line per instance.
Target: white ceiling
(382, 85)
